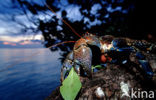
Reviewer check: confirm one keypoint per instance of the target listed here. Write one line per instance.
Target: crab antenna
(61, 43)
(62, 20)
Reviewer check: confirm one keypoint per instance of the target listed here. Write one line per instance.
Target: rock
(99, 93)
(109, 80)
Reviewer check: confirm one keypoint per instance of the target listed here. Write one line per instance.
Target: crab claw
(67, 65)
(147, 68)
(83, 57)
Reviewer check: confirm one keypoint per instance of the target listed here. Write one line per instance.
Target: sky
(10, 31)
(11, 35)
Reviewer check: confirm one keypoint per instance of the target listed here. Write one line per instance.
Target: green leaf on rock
(71, 86)
(97, 66)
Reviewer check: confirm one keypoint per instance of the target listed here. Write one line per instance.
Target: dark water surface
(32, 79)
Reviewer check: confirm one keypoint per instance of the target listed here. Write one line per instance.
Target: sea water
(28, 74)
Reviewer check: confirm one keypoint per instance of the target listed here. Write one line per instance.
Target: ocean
(28, 74)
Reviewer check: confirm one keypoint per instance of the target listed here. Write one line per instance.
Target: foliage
(127, 18)
(71, 86)
(97, 66)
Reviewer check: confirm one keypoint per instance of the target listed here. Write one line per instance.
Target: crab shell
(81, 55)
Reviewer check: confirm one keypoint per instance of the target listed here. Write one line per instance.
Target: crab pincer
(81, 56)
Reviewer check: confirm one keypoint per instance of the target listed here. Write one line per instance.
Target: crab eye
(87, 33)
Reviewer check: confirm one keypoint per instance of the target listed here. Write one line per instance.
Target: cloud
(95, 8)
(6, 43)
(9, 43)
(2, 30)
(5, 7)
(110, 9)
(73, 12)
(20, 38)
(8, 27)
(29, 42)
(21, 44)
(20, 41)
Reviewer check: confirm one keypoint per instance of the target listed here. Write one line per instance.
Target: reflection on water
(32, 79)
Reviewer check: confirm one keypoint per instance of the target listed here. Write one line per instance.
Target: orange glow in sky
(19, 38)
(27, 42)
(6, 43)
(9, 43)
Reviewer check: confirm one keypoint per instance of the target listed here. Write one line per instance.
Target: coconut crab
(81, 56)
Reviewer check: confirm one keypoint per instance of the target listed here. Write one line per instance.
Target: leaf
(97, 66)
(71, 86)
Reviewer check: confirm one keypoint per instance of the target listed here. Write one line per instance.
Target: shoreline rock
(109, 80)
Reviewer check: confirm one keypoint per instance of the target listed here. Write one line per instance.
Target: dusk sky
(10, 31)
(10, 20)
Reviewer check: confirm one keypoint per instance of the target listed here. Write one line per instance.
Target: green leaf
(97, 66)
(71, 86)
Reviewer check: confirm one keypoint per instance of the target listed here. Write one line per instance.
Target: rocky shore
(111, 79)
